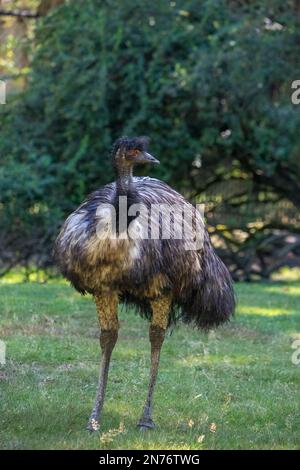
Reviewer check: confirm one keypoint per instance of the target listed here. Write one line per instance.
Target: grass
(235, 388)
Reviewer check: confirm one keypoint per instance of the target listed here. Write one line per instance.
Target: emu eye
(134, 153)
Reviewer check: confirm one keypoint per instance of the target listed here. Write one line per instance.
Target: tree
(208, 81)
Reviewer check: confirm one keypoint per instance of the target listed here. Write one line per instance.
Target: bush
(208, 81)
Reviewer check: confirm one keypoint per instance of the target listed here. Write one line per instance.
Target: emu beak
(146, 157)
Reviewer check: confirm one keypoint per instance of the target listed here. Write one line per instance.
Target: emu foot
(146, 423)
(93, 425)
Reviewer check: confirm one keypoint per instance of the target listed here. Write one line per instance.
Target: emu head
(130, 151)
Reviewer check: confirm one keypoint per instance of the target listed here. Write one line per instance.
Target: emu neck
(124, 179)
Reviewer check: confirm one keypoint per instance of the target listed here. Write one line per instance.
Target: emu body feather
(140, 270)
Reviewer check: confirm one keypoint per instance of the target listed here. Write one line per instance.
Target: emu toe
(145, 424)
(93, 425)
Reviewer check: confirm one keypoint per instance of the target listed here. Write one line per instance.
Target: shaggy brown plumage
(154, 275)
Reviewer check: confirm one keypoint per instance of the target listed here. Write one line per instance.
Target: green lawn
(235, 388)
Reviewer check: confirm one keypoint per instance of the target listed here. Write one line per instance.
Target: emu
(163, 279)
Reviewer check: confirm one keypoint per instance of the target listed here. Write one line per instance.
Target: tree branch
(19, 13)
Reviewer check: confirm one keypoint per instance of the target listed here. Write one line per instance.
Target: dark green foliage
(209, 82)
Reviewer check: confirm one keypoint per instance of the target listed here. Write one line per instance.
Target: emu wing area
(142, 269)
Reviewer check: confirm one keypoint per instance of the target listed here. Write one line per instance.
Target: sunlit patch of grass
(287, 274)
(33, 274)
(269, 312)
(233, 388)
(216, 359)
(290, 289)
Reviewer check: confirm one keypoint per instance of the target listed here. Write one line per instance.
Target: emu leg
(107, 313)
(160, 313)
